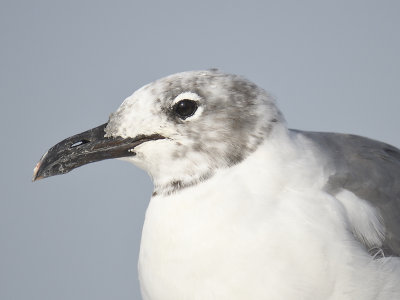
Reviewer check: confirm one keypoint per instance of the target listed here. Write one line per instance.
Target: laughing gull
(243, 207)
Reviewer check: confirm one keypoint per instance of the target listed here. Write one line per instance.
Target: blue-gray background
(66, 65)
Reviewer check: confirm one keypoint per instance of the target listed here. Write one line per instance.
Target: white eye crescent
(187, 106)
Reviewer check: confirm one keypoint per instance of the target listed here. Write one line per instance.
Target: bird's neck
(281, 155)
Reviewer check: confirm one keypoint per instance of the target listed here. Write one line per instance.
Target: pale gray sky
(66, 65)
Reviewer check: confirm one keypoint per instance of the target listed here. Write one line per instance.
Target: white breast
(263, 229)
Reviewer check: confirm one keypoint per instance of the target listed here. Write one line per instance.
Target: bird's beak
(86, 147)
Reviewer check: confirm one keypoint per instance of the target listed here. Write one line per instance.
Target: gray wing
(371, 170)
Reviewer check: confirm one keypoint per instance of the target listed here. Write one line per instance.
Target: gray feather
(371, 170)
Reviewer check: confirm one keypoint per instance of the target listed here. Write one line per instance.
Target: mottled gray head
(209, 119)
(180, 129)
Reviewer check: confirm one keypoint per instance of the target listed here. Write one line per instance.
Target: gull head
(180, 129)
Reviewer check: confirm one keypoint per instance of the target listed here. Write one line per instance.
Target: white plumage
(257, 232)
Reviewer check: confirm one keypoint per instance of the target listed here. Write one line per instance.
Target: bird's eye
(185, 108)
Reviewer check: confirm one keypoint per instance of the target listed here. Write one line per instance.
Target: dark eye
(185, 108)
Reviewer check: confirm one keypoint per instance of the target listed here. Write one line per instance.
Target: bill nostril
(79, 143)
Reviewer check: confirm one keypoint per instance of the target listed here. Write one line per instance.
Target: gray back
(371, 170)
